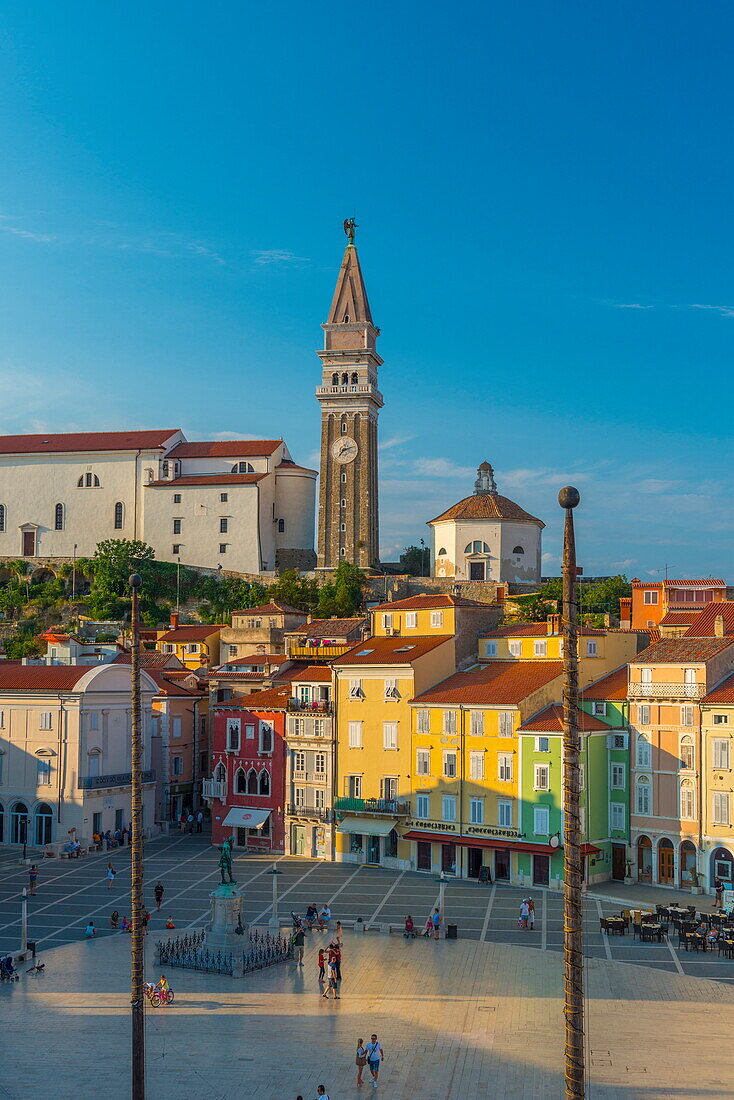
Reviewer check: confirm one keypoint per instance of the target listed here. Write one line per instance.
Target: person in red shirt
(322, 964)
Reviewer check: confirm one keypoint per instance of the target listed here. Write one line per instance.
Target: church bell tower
(350, 402)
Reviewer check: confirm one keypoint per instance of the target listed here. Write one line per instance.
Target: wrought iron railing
(188, 952)
(306, 811)
(372, 806)
(318, 709)
(214, 788)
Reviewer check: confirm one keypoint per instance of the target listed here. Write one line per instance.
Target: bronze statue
(350, 225)
(225, 860)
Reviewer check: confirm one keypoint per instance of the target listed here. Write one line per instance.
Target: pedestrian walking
(321, 1093)
(158, 894)
(182, 823)
(531, 914)
(33, 879)
(336, 953)
(522, 920)
(299, 940)
(375, 1055)
(190, 823)
(111, 872)
(339, 933)
(436, 923)
(719, 891)
(146, 918)
(333, 986)
(200, 821)
(322, 965)
(361, 1060)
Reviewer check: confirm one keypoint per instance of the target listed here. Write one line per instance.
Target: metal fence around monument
(260, 949)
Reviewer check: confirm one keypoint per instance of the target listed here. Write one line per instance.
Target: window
(343, 478)
(355, 689)
(687, 757)
(45, 720)
(252, 781)
(719, 719)
(686, 716)
(618, 776)
(88, 480)
(59, 517)
(344, 424)
(422, 762)
(320, 763)
(448, 808)
(354, 786)
(542, 744)
(391, 689)
(411, 620)
(178, 765)
(423, 721)
(476, 723)
(476, 811)
(449, 721)
(646, 675)
(177, 527)
(249, 733)
(541, 821)
(721, 808)
(687, 801)
(504, 767)
(299, 726)
(243, 468)
(643, 752)
(93, 765)
(720, 749)
(643, 795)
(689, 676)
(437, 618)
(651, 597)
(192, 647)
(616, 815)
(176, 548)
(441, 553)
(389, 788)
(2, 719)
(599, 709)
(542, 777)
(539, 649)
(515, 649)
(43, 773)
(94, 720)
(266, 737)
(643, 715)
(233, 734)
(2, 517)
(490, 649)
(505, 723)
(319, 798)
(389, 735)
(476, 765)
(223, 548)
(355, 735)
(176, 727)
(299, 797)
(504, 815)
(264, 782)
(299, 762)
(449, 765)
(582, 776)
(119, 515)
(240, 781)
(318, 727)
(421, 806)
(223, 525)
(591, 649)
(223, 498)
(176, 498)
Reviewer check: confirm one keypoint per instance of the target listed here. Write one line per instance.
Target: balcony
(121, 779)
(320, 708)
(300, 777)
(317, 652)
(307, 811)
(349, 387)
(667, 691)
(388, 807)
(214, 788)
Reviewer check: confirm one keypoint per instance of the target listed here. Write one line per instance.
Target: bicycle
(157, 996)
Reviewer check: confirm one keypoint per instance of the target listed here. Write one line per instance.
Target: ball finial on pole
(569, 497)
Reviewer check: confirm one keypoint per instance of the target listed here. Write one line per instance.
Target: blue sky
(544, 199)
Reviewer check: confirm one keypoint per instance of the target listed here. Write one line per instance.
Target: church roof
(489, 506)
(66, 442)
(227, 448)
(349, 304)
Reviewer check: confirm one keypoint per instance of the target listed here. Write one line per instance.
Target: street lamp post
(25, 822)
(24, 921)
(424, 549)
(73, 574)
(137, 960)
(274, 922)
(573, 928)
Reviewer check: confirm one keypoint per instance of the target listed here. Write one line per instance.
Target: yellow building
(195, 645)
(466, 766)
(717, 751)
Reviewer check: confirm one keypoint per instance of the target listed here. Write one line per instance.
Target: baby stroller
(8, 973)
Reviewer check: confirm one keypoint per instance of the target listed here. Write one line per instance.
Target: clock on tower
(350, 402)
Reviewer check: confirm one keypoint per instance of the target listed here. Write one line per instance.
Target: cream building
(244, 505)
(486, 537)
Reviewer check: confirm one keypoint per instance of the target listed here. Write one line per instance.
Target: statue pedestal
(227, 903)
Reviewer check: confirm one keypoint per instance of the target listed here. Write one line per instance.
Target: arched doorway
(44, 818)
(688, 864)
(722, 865)
(644, 859)
(666, 862)
(18, 815)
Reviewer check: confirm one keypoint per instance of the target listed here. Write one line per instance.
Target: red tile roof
(329, 628)
(50, 443)
(389, 651)
(149, 658)
(680, 618)
(272, 608)
(676, 650)
(550, 720)
(285, 467)
(503, 683)
(678, 584)
(490, 506)
(704, 623)
(227, 448)
(613, 686)
(311, 674)
(169, 687)
(274, 698)
(190, 633)
(47, 678)
(255, 659)
(207, 479)
(429, 601)
(723, 693)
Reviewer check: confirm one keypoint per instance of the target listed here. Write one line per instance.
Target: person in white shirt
(375, 1054)
(199, 821)
(324, 918)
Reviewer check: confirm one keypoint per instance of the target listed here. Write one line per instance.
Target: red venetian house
(247, 788)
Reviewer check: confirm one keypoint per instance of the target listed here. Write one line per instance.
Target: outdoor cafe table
(651, 931)
(637, 914)
(698, 937)
(619, 924)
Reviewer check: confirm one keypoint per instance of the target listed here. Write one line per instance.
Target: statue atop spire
(350, 225)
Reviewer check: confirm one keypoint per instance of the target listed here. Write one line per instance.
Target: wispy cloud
(203, 250)
(441, 467)
(277, 256)
(725, 311)
(623, 564)
(44, 238)
(630, 305)
(657, 485)
(395, 441)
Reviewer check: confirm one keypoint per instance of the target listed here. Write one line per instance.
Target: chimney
(719, 626)
(174, 620)
(553, 625)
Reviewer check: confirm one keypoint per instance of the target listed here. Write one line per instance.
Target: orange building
(652, 601)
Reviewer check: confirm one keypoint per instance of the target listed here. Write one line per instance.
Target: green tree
(13, 597)
(24, 642)
(416, 560)
(343, 596)
(224, 595)
(533, 608)
(294, 589)
(113, 563)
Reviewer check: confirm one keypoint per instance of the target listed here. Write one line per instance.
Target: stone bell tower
(350, 402)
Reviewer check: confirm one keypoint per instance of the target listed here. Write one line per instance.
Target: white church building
(244, 505)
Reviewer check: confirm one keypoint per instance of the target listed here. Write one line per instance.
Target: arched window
(266, 738)
(644, 858)
(344, 427)
(243, 468)
(240, 781)
(345, 378)
(281, 526)
(220, 773)
(355, 378)
(252, 782)
(59, 517)
(164, 468)
(265, 781)
(335, 378)
(476, 547)
(518, 550)
(342, 526)
(687, 753)
(88, 480)
(119, 515)
(44, 817)
(643, 795)
(442, 552)
(687, 801)
(18, 817)
(2, 517)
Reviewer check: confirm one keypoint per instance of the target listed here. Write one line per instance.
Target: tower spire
(349, 304)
